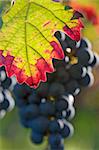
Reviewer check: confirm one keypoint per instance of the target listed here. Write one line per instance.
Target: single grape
(47, 108)
(22, 91)
(57, 147)
(4, 104)
(55, 140)
(62, 75)
(95, 61)
(40, 124)
(24, 122)
(33, 98)
(88, 80)
(84, 43)
(73, 87)
(36, 137)
(10, 98)
(42, 90)
(6, 83)
(30, 111)
(61, 105)
(54, 126)
(59, 115)
(2, 74)
(70, 113)
(51, 77)
(67, 131)
(85, 56)
(20, 102)
(77, 71)
(56, 89)
(58, 64)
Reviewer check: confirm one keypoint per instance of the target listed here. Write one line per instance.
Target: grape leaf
(27, 42)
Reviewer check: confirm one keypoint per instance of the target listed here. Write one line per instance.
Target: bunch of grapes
(47, 110)
(7, 102)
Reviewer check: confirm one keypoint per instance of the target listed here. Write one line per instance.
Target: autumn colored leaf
(89, 11)
(27, 42)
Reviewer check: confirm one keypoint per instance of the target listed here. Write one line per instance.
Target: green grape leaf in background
(27, 42)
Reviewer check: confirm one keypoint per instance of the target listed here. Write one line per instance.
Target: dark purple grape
(62, 75)
(42, 90)
(6, 83)
(24, 122)
(54, 126)
(4, 105)
(36, 137)
(3, 75)
(21, 102)
(40, 124)
(29, 112)
(58, 64)
(77, 71)
(55, 141)
(66, 131)
(95, 61)
(61, 105)
(87, 80)
(47, 108)
(85, 56)
(33, 98)
(73, 87)
(22, 91)
(56, 89)
(84, 43)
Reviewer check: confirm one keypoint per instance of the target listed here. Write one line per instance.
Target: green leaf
(27, 39)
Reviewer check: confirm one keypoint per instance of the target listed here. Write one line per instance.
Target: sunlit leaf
(27, 39)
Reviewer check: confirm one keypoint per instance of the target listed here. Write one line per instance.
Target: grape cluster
(6, 86)
(47, 110)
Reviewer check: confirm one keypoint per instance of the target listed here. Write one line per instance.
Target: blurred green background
(86, 122)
